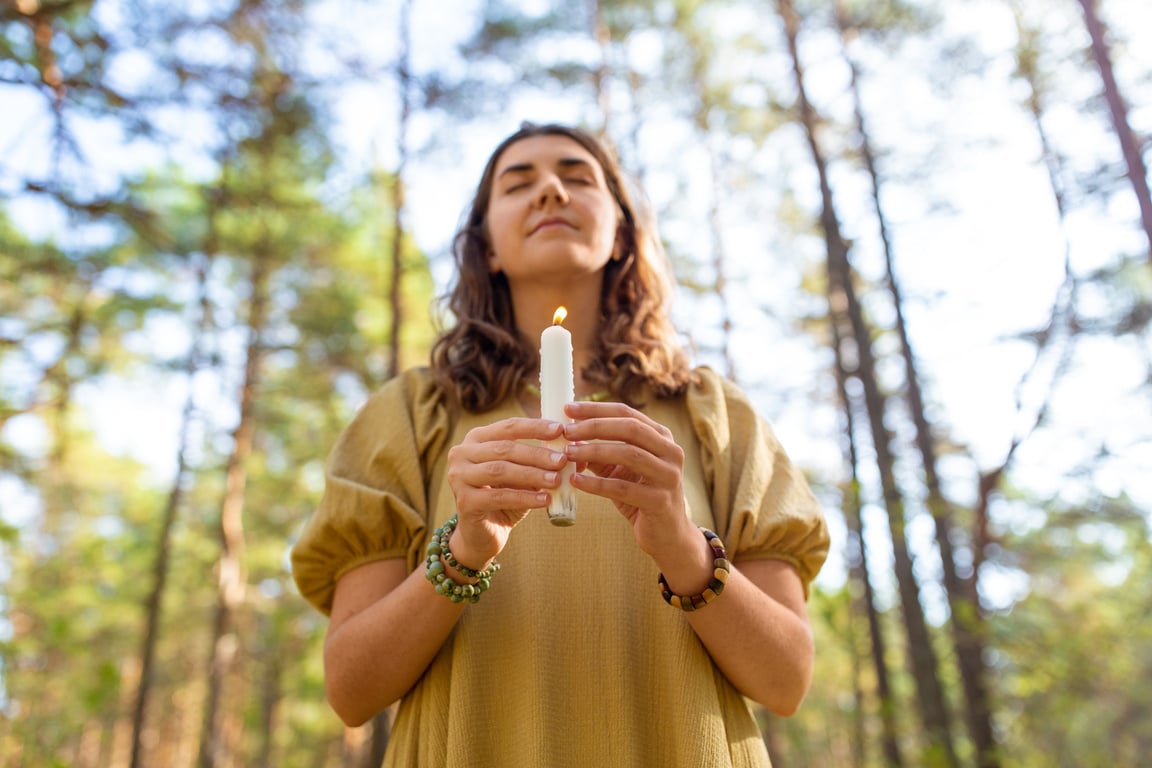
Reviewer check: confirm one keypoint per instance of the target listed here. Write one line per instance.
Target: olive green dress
(572, 658)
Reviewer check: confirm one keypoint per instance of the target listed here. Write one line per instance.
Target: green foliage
(888, 19)
(1062, 694)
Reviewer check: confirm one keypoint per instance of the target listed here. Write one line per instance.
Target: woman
(628, 639)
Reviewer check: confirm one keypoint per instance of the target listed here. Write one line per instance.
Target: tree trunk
(353, 747)
(603, 70)
(1129, 143)
(381, 730)
(967, 619)
(844, 308)
(230, 567)
(404, 84)
(116, 749)
(270, 695)
(153, 606)
(857, 555)
(773, 743)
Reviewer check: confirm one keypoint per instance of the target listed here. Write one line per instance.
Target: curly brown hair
(483, 358)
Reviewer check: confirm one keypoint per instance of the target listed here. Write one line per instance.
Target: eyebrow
(564, 162)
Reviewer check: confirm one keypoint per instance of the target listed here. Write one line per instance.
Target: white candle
(557, 389)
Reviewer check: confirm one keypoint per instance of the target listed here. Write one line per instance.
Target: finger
(508, 451)
(580, 465)
(490, 500)
(517, 428)
(624, 429)
(584, 410)
(659, 470)
(503, 474)
(622, 491)
(642, 432)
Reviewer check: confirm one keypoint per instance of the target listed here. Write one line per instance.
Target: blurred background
(917, 232)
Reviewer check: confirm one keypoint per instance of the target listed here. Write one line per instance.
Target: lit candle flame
(559, 316)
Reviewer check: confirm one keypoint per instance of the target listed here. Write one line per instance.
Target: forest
(917, 232)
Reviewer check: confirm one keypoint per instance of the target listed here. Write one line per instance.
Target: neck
(534, 308)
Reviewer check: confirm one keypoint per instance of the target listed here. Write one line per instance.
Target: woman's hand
(635, 463)
(497, 475)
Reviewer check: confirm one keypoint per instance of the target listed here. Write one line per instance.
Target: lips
(551, 223)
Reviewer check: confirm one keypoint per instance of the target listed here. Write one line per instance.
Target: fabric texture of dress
(572, 658)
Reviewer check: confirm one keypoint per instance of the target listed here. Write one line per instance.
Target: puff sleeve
(761, 503)
(375, 503)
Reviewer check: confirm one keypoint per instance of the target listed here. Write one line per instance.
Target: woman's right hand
(497, 474)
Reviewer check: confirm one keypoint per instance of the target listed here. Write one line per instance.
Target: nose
(552, 189)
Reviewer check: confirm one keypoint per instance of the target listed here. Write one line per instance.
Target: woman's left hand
(636, 464)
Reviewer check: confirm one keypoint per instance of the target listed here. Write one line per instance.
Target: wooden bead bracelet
(720, 570)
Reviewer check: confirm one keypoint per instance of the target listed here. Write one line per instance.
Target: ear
(493, 263)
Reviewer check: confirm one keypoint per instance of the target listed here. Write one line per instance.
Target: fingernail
(550, 477)
(557, 457)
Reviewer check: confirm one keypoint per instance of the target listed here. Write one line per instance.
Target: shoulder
(715, 389)
(413, 390)
(717, 405)
(409, 409)
(413, 384)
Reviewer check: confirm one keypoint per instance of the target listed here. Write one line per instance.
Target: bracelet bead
(440, 555)
(720, 570)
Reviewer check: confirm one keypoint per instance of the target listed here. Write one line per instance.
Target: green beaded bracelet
(439, 555)
(720, 569)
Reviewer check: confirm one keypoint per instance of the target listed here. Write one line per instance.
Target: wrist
(466, 554)
(449, 576)
(689, 567)
(721, 569)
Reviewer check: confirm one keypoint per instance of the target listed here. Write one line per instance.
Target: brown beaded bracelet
(721, 568)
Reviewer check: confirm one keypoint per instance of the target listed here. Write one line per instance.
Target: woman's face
(550, 215)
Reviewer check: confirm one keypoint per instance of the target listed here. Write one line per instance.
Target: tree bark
(857, 554)
(378, 744)
(603, 70)
(153, 606)
(230, 567)
(773, 743)
(404, 84)
(1129, 143)
(967, 618)
(845, 308)
(270, 695)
